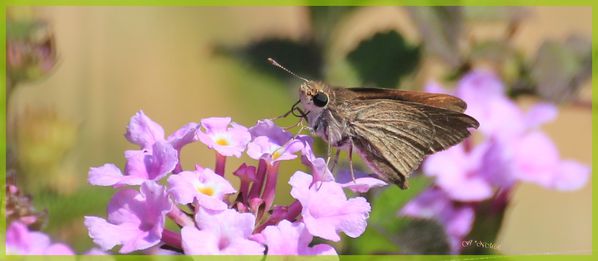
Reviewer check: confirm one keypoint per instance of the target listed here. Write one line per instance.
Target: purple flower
(227, 232)
(272, 143)
(157, 157)
(21, 241)
(318, 166)
(534, 158)
(151, 166)
(143, 131)
(135, 219)
(180, 138)
(227, 141)
(434, 204)
(362, 183)
(288, 238)
(460, 173)
(141, 166)
(324, 218)
(183, 136)
(515, 149)
(205, 186)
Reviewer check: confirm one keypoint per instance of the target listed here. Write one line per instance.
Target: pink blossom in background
(460, 173)
(434, 204)
(22, 241)
(513, 150)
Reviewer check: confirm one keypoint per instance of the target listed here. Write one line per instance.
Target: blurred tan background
(116, 61)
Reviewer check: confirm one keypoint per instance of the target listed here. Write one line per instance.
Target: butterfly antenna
(273, 62)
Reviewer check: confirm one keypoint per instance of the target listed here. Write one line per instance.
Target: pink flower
(135, 220)
(157, 157)
(362, 183)
(226, 233)
(326, 209)
(318, 166)
(515, 149)
(288, 238)
(460, 173)
(21, 241)
(534, 158)
(143, 131)
(227, 141)
(205, 186)
(272, 143)
(434, 204)
(141, 166)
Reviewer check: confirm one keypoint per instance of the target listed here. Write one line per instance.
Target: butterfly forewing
(438, 100)
(393, 135)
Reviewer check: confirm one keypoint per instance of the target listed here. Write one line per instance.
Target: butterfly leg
(351, 159)
(335, 161)
(293, 108)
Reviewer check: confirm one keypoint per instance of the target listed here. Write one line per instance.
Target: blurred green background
(180, 64)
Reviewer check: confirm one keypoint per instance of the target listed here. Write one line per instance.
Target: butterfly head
(315, 96)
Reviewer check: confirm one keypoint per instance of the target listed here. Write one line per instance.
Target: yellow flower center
(222, 142)
(206, 191)
(276, 154)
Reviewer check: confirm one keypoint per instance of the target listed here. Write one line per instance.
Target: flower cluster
(513, 150)
(214, 217)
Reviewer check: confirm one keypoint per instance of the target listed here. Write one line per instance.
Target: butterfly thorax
(320, 104)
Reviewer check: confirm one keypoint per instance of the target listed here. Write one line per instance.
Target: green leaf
(440, 28)
(383, 59)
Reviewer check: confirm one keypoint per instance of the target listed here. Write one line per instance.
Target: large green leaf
(384, 58)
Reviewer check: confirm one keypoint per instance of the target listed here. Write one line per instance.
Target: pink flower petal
(106, 175)
(143, 131)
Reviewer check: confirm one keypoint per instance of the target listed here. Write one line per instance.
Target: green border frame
(7, 3)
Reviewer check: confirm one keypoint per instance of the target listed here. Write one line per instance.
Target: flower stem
(172, 239)
(270, 187)
(256, 187)
(244, 189)
(180, 217)
(220, 164)
(293, 211)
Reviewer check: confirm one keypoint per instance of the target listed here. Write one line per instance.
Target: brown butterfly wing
(393, 136)
(439, 100)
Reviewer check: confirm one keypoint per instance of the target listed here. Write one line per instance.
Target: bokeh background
(100, 65)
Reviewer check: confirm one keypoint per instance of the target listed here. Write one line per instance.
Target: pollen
(209, 191)
(222, 142)
(276, 154)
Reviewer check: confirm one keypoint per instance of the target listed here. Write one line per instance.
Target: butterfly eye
(320, 99)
